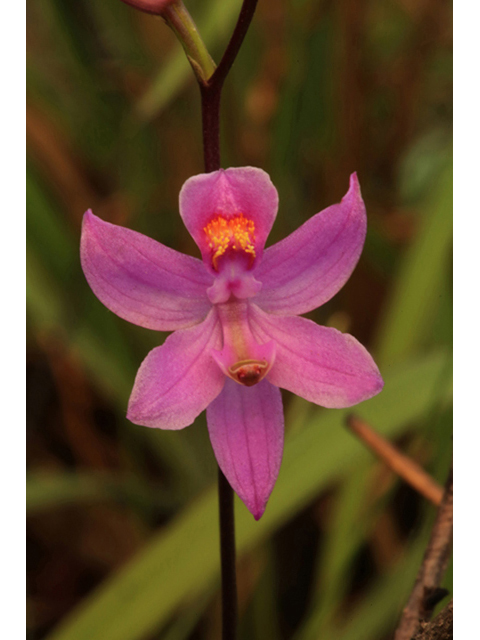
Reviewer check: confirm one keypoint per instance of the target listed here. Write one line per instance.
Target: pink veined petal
(322, 365)
(311, 265)
(178, 380)
(141, 280)
(246, 431)
(228, 193)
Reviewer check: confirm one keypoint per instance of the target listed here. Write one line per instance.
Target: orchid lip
(242, 359)
(249, 372)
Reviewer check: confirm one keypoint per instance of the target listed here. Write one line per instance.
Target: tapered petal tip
(354, 192)
(88, 218)
(257, 512)
(91, 227)
(137, 414)
(378, 384)
(256, 503)
(367, 387)
(371, 381)
(90, 222)
(366, 383)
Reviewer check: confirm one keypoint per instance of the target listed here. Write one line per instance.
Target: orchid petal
(178, 380)
(246, 431)
(311, 265)
(322, 365)
(227, 193)
(140, 279)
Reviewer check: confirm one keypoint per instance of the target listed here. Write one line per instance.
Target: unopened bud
(157, 7)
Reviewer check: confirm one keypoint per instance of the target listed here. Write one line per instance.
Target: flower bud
(157, 7)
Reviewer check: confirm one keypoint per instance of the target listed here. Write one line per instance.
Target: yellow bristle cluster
(237, 233)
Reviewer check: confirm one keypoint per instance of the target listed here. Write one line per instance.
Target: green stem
(181, 23)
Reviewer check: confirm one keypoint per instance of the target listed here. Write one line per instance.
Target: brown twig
(403, 466)
(424, 594)
(440, 628)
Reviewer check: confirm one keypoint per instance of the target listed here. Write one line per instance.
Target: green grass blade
(389, 595)
(418, 287)
(52, 490)
(347, 531)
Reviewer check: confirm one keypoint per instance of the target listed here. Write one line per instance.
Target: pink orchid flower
(237, 336)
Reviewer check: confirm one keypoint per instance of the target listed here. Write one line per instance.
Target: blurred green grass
(122, 525)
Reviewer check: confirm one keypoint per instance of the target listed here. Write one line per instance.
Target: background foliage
(122, 520)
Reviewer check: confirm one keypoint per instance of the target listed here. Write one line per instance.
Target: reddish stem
(212, 90)
(227, 555)
(210, 94)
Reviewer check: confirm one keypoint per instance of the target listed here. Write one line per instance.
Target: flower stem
(211, 127)
(181, 23)
(244, 19)
(211, 90)
(227, 555)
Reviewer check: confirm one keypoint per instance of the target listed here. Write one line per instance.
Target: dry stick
(423, 597)
(440, 628)
(403, 466)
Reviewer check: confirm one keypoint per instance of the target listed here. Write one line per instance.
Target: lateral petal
(179, 379)
(312, 264)
(228, 193)
(322, 365)
(246, 431)
(141, 280)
